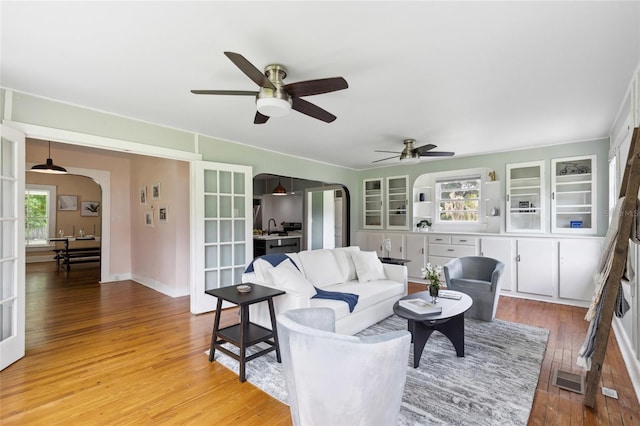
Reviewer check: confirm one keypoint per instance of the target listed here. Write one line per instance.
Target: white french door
(221, 228)
(12, 292)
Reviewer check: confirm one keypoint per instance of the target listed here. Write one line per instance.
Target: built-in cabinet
(573, 195)
(372, 204)
(525, 208)
(536, 263)
(501, 249)
(389, 202)
(397, 202)
(556, 269)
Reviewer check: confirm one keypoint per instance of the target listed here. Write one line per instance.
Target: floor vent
(568, 381)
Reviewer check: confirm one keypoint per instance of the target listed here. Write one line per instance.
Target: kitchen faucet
(269, 225)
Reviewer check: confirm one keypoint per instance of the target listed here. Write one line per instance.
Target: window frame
(438, 198)
(51, 213)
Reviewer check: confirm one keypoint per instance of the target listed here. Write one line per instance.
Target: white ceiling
(470, 77)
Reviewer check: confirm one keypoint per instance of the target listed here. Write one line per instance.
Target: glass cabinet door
(372, 204)
(397, 201)
(573, 195)
(525, 197)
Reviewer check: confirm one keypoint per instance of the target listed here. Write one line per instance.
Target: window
(458, 199)
(39, 214)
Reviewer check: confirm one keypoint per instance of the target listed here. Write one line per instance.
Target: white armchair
(338, 379)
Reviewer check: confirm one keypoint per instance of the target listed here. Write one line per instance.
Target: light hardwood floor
(121, 353)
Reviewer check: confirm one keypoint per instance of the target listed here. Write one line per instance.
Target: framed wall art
(148, 218)
(67, 202)
(143, 195)
(163, 214)
(89, 208)
(155, 191)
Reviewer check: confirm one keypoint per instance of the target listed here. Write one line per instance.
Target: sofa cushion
(287, 277)
(320, 267)
(343, 257)
(368, 266)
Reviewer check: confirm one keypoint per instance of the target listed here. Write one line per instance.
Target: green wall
(48, 113)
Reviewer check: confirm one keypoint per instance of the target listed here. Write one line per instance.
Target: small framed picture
(67, 202)
(143, 195)
(148, 218)
(163, 214)
(89, 208)
(155, 191)
(524, 206)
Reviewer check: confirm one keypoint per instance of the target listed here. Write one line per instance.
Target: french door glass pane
(238, 207)
(210, 206)
(226, 278)
(210, 181)
(7, 233)
(226, 255)
(238, 230)
(225, 182)
(238, 183)
(211, 257)
(210, 231)
(7, 165)
(225, 231)
(210, 280)
(238, 254)
(225, 206)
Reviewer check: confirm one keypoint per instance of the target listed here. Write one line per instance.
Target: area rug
(493, 384)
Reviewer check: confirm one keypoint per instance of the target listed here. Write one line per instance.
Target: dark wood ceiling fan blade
(250, 70)
(437, 154)
(384, 159)
(424, 148)
(260, 118)
(225, 92)
(312, 110)
(316, 87)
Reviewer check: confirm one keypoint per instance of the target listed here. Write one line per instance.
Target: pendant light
(279, 190)
(49, 167)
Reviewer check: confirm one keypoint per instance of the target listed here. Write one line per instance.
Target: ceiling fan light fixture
(273, 107)
(49, 167)
(279, 190)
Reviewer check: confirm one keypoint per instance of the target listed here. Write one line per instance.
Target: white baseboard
(628, 354)
(117, 277)
(39, 259)
(163, 288)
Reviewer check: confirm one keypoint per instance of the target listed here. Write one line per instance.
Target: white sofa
(346, 270)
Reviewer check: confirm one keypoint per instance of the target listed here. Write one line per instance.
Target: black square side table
(245, 333)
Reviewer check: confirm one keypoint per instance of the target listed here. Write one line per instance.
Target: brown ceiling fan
(414, 153)
(276, 98)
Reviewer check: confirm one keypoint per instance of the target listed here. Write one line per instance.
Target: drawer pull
(463, 241)
(438, 239)
(450, 250)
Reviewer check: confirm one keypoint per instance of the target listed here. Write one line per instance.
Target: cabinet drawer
(439, 239)
(448, 250)
(464, 241)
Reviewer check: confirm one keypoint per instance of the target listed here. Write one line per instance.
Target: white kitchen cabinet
(501, 249)
(536, 263)
(416, 252)
(397, 196)
(372, 200)
(573, 195)
(578, 259)
(525, 209)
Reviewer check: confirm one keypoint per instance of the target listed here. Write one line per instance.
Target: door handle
(518, 258)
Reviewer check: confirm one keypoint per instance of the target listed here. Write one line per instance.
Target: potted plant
(431, 273)
(424, 225)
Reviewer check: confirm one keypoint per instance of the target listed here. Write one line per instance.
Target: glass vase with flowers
(431, 273)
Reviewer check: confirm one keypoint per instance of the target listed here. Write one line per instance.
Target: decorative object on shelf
(573, 169)
(424, 225)
(575, 224)
(386, 246)
(421, 196)
(492, 176)
(420, 307)
(49, 167)
(432, 274)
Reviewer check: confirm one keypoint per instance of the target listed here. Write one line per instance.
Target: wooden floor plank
(121, 353)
